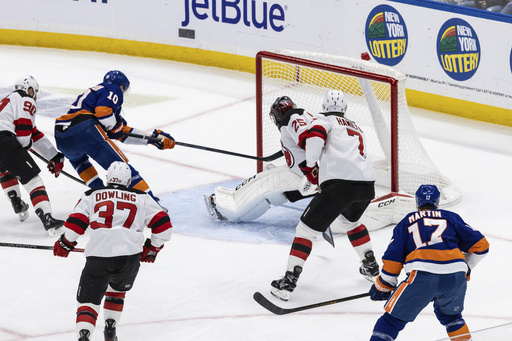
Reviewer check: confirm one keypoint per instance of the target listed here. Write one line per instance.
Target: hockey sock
(114, 304)
(38, 194)
(360, 240)
(9, 183)
(86, 316)
(387, 328)
(456, 327)
(87, 172)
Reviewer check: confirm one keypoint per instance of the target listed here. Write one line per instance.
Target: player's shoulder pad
(114, 88)
(289, 114)
(22, 93)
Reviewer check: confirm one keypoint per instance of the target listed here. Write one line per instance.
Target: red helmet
(280, 108)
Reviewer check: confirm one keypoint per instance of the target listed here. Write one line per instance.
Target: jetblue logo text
(260, 15)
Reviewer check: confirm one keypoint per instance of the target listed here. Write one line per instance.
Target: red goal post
(376, 102)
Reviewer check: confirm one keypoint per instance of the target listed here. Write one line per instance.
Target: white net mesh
(306, 77)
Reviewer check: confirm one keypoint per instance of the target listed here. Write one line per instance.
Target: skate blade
(23, 215)
(55, 231)
(283, 295)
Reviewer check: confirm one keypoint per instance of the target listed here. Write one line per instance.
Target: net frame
(368, 74)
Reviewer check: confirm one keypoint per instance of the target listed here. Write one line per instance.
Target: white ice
(201, 286)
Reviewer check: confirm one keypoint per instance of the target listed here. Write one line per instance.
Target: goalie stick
(152, 139)
(38, 247)
(265, 303)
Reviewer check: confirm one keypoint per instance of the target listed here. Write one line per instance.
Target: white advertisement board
(443, 49)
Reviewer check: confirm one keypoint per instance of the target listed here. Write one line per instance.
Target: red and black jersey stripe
(23, 127)
(77, 222)
(160, 223)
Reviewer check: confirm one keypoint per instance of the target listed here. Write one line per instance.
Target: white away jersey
(116, 217)
(343, 155)
(17, 115)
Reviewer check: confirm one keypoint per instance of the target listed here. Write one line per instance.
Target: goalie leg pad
(253, 197)
(387, 209)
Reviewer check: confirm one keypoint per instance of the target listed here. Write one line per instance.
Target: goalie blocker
(278, 185)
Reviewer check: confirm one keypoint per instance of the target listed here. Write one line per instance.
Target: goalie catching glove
(63, 247)
(56, 164)
(381, 290)
(149, 252)
(166, 140)
(311, 173)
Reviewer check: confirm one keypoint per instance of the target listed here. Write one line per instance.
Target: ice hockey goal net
(376, 102)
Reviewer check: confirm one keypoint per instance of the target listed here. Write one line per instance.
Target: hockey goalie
(277, 185)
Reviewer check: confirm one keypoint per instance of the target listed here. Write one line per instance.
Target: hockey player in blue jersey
(91, 123)
(438, 250)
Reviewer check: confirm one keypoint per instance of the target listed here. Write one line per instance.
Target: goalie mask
(24, 83)
(279, 110)
(118, 78)
(119, 173)
(334, 101)
(428, 195)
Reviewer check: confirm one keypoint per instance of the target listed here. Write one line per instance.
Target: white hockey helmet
(26, 82)
(119, 173)
(334, 101)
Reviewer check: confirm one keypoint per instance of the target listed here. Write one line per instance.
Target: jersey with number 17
(432, 241)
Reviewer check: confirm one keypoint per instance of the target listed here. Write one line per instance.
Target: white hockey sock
(86, 316)
(38, 194)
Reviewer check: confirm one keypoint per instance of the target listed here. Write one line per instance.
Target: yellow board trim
(65, 41)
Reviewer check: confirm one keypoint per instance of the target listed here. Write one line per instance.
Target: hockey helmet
(279, 109)
(334, 101)
(118, 78)
(428, 195)
(26, 82)
(119, 173)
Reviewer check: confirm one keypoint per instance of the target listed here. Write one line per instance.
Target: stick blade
(265, 303)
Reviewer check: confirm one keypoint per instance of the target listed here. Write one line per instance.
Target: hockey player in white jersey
(18, 133)
(116, 215)
(277, 185)
(336, 161)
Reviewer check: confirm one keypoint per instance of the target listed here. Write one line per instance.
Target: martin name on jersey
(435, 241)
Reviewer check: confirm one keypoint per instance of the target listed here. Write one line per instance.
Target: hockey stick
(269, 158)
(38, 247)
(63, 172)
(265, 303)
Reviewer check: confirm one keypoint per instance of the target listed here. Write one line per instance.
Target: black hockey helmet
(280, 108)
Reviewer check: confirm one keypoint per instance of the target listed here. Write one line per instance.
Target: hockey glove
(149, 252)
(117, 131)
(56, 164)
(63, 247)
(381, 290)
(311, 173)
(166, 140)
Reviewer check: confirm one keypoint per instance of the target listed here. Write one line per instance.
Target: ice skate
(212, 207)
(20, 207)
(369, 267)
(52, 225)
(110, 330)
(281, 288)
(83, 335)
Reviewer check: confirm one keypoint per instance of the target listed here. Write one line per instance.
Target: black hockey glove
(56, 164)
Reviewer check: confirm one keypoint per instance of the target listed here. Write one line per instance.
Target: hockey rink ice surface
(201, 286)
